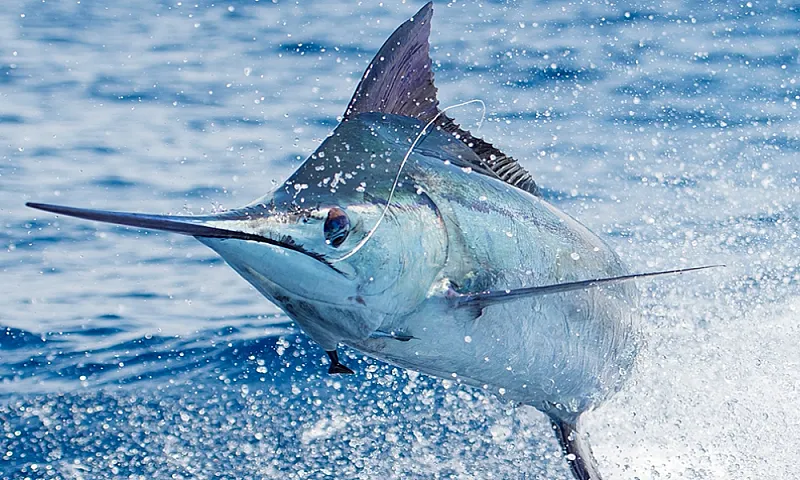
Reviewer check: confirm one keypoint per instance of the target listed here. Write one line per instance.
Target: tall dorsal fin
(399, 81)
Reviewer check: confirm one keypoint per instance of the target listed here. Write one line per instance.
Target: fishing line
(400, 171)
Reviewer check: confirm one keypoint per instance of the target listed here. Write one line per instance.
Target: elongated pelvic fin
(484, 299)
(576, 449)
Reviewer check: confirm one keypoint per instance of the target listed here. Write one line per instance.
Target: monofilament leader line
(400, 171)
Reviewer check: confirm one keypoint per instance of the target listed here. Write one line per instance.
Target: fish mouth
(184, 225)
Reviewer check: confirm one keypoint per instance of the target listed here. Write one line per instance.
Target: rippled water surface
(671, 128)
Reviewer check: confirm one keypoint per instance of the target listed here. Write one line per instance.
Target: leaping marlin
(414, 241)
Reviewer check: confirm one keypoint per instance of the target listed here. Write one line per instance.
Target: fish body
(497, 237)
(449, 231)
(418, 243)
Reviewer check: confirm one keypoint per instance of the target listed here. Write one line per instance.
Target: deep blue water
(671, 128)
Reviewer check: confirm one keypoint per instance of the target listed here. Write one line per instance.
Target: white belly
(570, 349)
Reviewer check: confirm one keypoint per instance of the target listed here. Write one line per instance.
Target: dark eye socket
(337, 226)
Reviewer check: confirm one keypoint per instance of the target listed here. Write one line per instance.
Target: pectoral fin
(484, 299)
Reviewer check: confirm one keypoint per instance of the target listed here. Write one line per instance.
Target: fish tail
(576, 448)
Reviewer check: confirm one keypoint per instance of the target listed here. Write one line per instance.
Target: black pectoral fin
(337, 367)
(484, 299)
(577, 450)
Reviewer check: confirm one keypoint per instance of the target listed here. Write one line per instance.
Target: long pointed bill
(494, 297)
(176, 224)
(184, 225)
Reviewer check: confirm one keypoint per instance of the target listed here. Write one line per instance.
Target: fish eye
(337, 227)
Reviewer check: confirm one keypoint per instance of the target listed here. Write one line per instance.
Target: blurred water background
(669, 127)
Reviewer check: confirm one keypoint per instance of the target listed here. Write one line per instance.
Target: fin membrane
(399, 81)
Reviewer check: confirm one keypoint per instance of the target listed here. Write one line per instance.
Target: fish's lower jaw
(322, 302)
(271, 268)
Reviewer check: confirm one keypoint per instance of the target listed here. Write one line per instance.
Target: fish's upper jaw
(237, 224)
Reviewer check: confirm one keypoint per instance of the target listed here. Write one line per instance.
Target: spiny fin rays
(399, 81)
(504, 167)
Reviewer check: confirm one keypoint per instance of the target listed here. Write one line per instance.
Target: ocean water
(669, 128)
